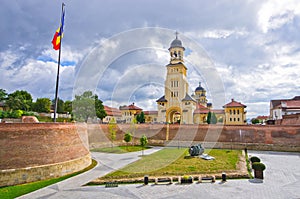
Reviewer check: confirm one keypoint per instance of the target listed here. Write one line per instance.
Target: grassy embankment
(18, 190)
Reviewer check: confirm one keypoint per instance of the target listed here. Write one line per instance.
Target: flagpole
(58, 64)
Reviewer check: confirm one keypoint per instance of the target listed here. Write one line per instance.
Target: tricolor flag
(59, 33)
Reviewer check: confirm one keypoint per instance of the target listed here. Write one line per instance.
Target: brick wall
(42, 145)
(260, 137)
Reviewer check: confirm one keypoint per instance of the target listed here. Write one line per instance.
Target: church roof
(162, 99)
(234, 104)
(188, 98)
(199, 88)
(176, 43)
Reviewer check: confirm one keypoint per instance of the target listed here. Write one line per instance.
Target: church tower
(200, 95)
(176, 106)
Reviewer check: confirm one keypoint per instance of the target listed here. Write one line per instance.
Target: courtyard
(282, 180)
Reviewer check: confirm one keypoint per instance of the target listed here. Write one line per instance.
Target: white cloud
(275, 13)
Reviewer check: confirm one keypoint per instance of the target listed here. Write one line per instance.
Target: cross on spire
(176, 33)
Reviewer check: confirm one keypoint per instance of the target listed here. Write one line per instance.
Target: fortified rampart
(37, 151)
(256, 137)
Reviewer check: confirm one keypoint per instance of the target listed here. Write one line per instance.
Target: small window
(238, 111)
(230, 119)
(234, 112)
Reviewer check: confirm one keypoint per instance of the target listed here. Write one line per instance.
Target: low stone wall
(33, 151)
(30, 174)
(256, 137)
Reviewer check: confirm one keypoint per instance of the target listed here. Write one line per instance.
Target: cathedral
(177, 106)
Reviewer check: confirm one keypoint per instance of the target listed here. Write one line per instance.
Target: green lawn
(119, 149)
(18, 190)
(173, 161)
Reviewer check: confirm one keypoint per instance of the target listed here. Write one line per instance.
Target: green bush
(258, 166)
(254, 159)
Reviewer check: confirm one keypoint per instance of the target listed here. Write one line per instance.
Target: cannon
(196, 150)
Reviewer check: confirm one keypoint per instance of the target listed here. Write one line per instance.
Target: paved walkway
(282, 180)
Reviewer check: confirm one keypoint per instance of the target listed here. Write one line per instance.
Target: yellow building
(150, 116)
(112, 114)
(129, 112)
(235, 113)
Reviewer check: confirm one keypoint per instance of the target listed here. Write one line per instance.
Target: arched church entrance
(174, 115)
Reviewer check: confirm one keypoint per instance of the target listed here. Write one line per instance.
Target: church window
(233, 119)
(238, 119)
(230, 119)
(238, 111)
(230, 112)
(234, 112)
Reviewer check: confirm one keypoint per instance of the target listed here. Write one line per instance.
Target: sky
(247, 50)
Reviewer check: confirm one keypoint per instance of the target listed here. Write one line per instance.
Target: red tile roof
(112, 111)
(130, 107)
(150, 112)
(262, 117)
(289, 104)
(234, 104)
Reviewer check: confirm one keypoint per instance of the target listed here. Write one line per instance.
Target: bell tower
(176, 106)
(176, 51)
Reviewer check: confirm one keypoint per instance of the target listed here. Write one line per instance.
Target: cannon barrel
(196, 150)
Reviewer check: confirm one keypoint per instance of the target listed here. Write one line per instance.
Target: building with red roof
(130, 112)
(235, 113)
(281, 107)
(112, 114)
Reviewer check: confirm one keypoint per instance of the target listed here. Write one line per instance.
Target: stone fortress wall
(37, 151)
(257, 137)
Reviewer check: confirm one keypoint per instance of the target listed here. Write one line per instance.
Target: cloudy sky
(247, 50)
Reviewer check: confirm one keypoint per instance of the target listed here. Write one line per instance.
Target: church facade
(177, 106)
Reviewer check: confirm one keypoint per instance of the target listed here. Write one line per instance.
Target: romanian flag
(59, 33)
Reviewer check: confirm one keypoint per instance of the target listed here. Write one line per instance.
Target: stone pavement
(282, 180)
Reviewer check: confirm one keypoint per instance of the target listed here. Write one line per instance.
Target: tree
(68, 106)
(42, 105)
(133, 127)
(112, 128)
(144, 142)
(127, 137)
(208, 118)
(19, 100)
(87, 106)
(100, 112)
(60, 105)
(140, 118)
(3, 95)
(214, 119)
(255, 121)
(211, 118)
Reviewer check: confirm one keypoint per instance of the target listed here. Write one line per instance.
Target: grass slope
(173, 161)
(18, 190)
(120, 149)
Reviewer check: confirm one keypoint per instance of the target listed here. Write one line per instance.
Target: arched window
(234, 112)
(238, 111)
